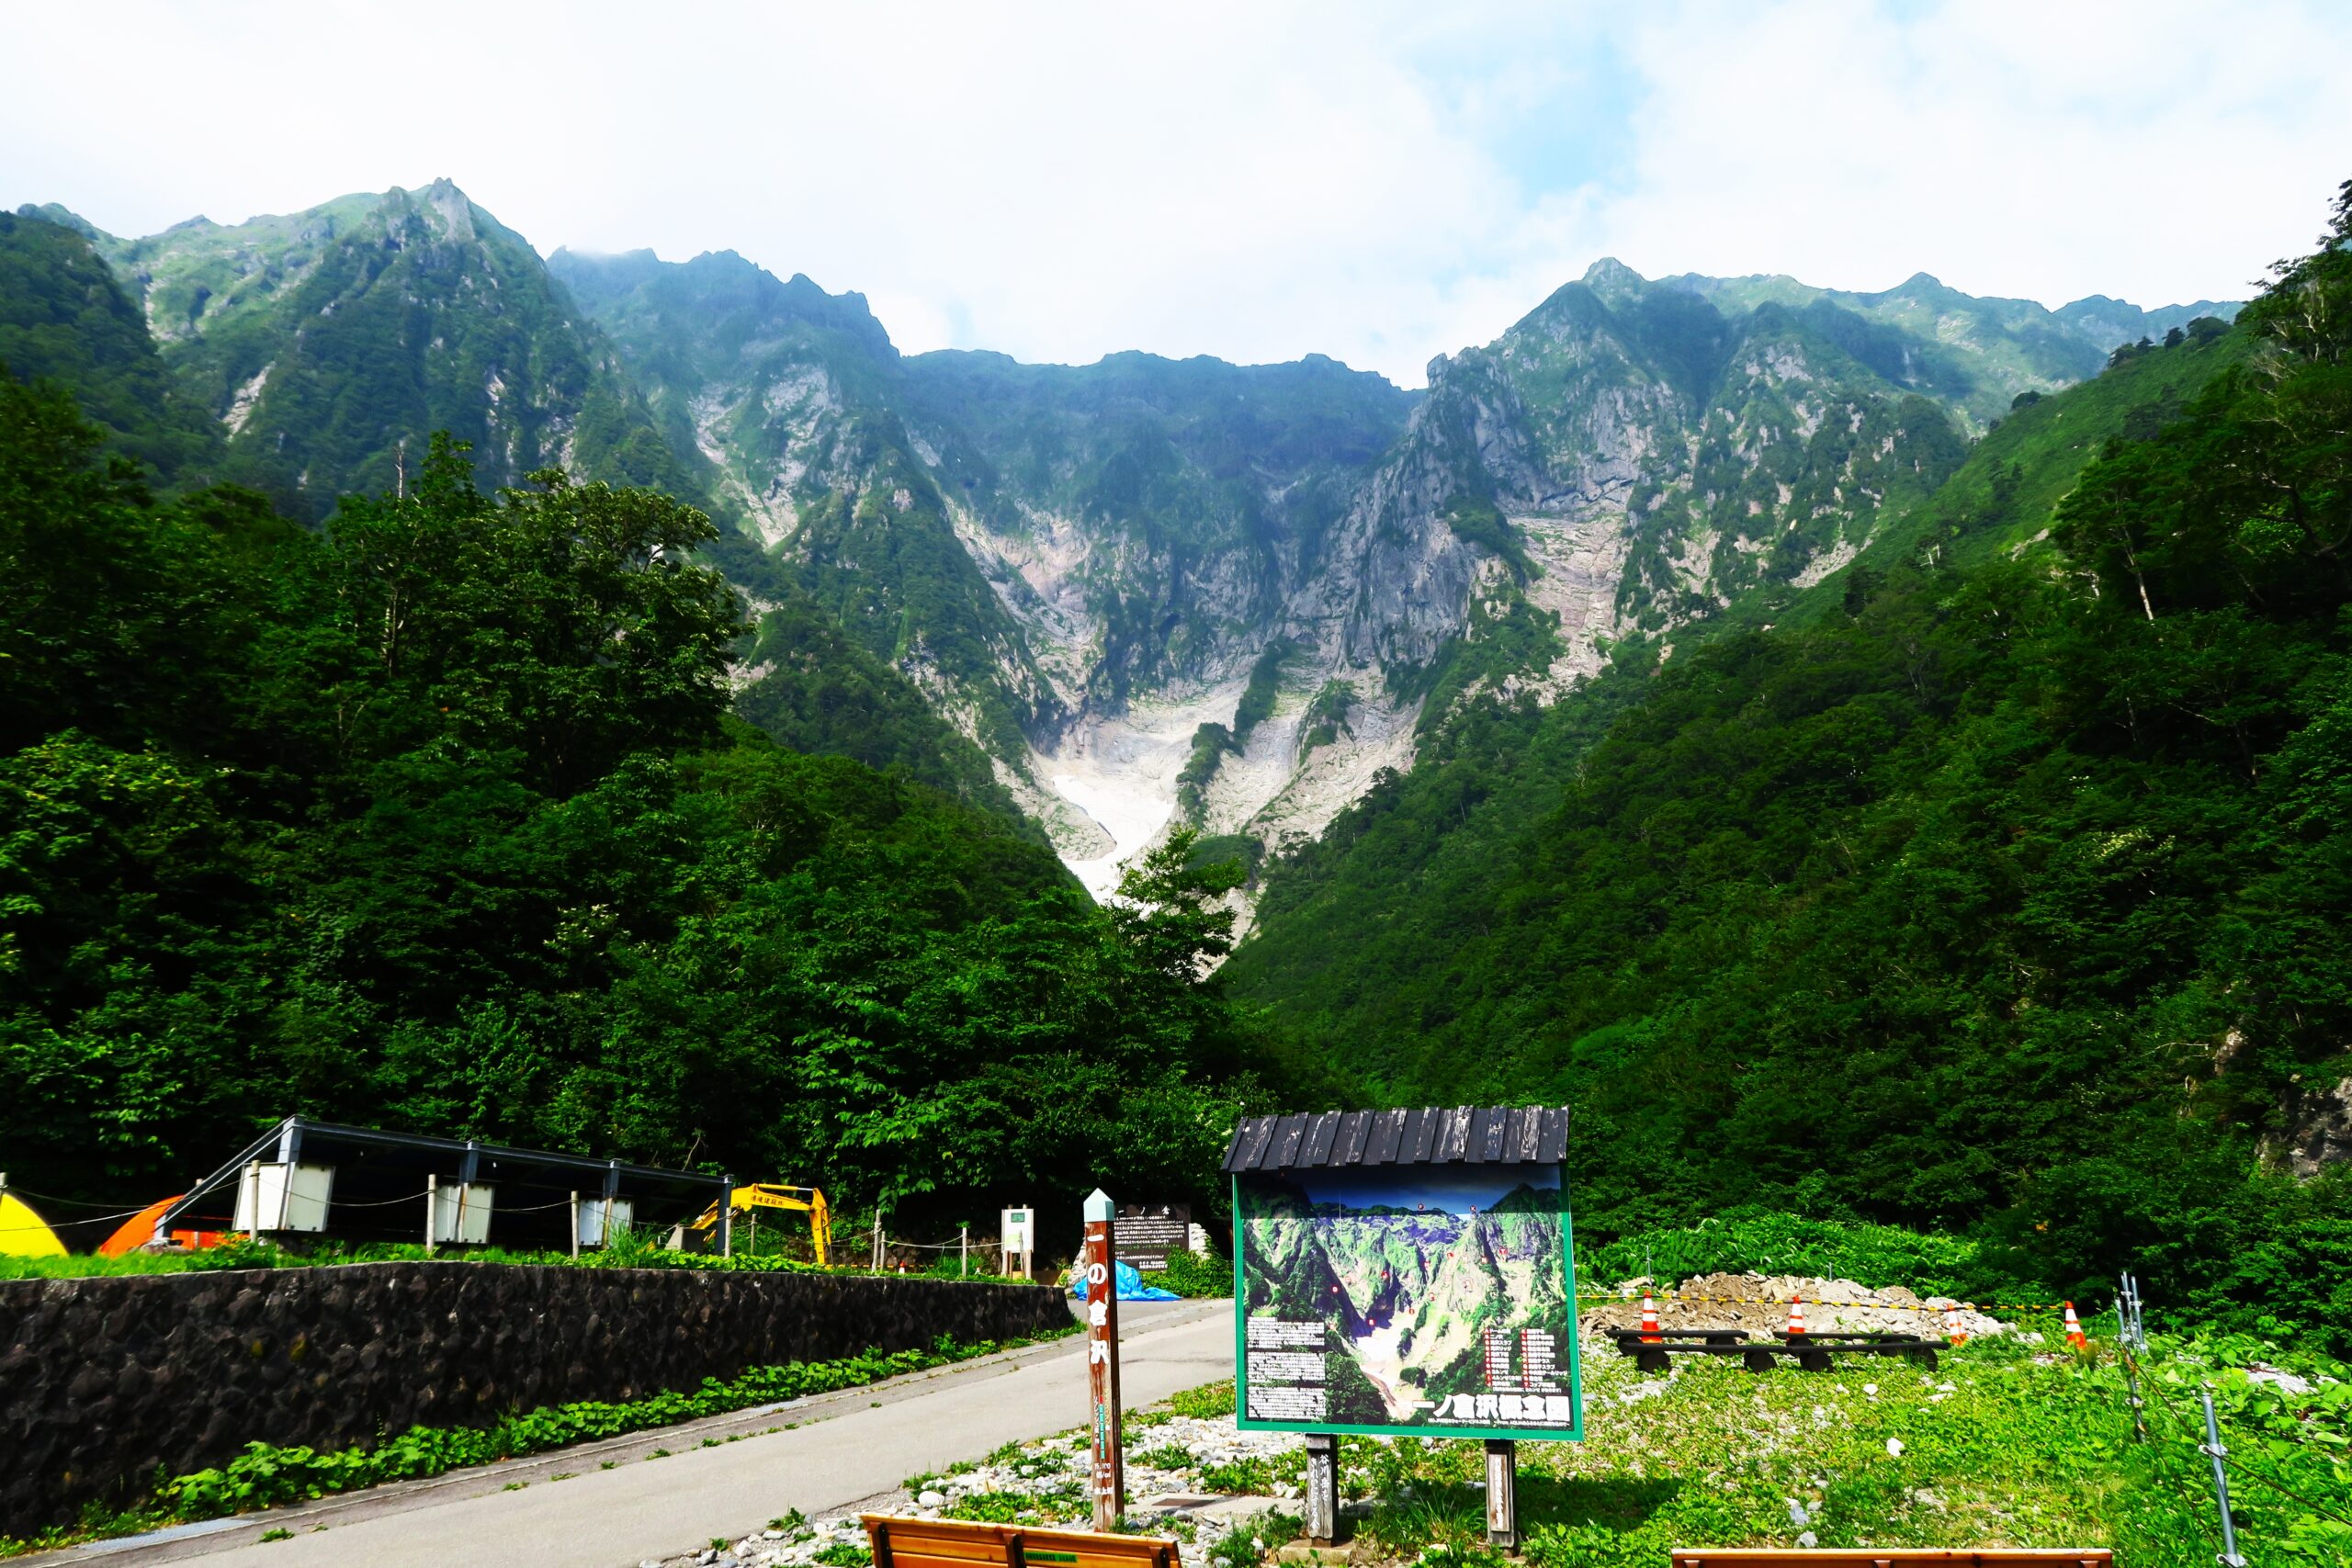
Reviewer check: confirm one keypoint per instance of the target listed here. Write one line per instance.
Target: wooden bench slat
(954, 1543)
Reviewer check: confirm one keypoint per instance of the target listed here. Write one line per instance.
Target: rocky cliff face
(1160, 592)
(1145, 591)
(1080, 565)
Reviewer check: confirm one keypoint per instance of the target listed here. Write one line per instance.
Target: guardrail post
(2212, 1447)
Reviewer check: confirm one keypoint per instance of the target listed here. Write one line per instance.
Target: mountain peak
(1924, 286)
(455, 209)
(63, 217)
(1609, 275)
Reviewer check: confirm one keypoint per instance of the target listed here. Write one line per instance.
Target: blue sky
(1376, 181)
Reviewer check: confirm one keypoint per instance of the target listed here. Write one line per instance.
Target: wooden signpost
(1107, 1478)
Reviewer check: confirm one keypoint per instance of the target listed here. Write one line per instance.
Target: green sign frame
(1563, 1326)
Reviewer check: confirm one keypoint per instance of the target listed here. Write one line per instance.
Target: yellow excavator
(770, 1195)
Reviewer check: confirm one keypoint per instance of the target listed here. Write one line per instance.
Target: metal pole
(1322, 1489)
(575, 1225)
(964, 1259)
(2213, 1449)
(727, 1220)
(1108, 1474)
(2132, 1388)
(1502, 1494)
(432, 1188)
(877, 1239)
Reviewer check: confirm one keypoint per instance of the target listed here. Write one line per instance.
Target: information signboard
(1425, 1301)
(1148, 1234)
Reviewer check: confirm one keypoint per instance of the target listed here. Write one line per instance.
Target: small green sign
(1422, 1300)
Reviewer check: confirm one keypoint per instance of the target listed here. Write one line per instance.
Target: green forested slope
(809, 685)
(328, 342)
(64, 318)
(2009, 893)
(436, 818)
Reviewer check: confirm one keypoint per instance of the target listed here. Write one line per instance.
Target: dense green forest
(64, 318)
(2007, 889)
(437, 817)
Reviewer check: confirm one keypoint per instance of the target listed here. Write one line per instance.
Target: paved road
(846, 1448)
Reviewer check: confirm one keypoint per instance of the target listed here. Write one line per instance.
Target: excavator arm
(774, 1195)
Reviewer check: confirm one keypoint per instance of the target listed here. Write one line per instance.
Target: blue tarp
(1131, 1286)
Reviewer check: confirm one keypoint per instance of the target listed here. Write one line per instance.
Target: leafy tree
(1168, 908)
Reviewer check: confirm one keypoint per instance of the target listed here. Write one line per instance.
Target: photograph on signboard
(1431, 1300)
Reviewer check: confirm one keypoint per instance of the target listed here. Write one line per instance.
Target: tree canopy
(438, 819)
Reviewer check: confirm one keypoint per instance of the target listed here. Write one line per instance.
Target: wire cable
(97, 1219)
(69, 1202)
(2230, 1462)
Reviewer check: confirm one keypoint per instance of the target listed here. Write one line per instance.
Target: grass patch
(2006, 1444)
(1206, 1403)
(1052, 1506)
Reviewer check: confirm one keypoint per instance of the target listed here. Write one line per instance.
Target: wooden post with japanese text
(1107, 1477)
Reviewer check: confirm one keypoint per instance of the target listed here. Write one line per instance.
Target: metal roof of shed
(1465, 1134)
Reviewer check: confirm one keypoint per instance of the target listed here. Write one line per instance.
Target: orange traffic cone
(1952, 1329)
(1650, 1335)
(1796, 1317)
(2075, 1340)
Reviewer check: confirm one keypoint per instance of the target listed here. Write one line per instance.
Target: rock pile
(1758, 1305)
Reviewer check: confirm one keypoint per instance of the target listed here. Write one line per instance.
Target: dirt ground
(1759, 1305)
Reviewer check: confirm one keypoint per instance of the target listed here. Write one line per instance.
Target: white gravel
(1053, 1471)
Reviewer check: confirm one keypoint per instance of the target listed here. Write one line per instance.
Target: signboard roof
(1467, 1135)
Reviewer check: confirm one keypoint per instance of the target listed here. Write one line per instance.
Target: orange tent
(140, 1229)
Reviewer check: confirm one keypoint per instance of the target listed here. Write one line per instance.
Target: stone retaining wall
(104, 1381)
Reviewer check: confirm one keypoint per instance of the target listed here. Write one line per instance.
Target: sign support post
(1322, 1489)
(1502, 1494)
(1107, 1477)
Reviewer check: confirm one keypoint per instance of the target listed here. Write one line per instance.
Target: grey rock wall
(104, 1382)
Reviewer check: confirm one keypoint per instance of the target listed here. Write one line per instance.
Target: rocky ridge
(1148, 593)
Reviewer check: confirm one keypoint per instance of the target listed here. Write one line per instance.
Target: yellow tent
(24, 1234)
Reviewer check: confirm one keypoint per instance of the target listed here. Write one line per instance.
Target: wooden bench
(952, 1543)
(1892, 1557)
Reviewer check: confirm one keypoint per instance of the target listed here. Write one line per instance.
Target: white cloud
(1254, 181)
